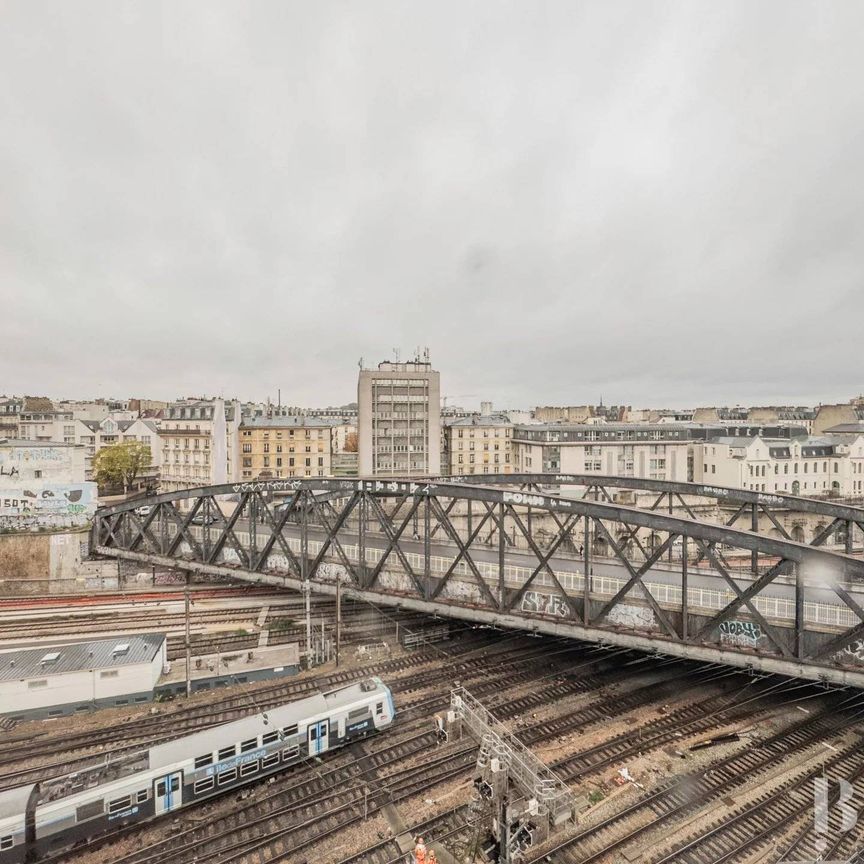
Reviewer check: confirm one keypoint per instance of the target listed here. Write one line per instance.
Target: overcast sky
(659, 203)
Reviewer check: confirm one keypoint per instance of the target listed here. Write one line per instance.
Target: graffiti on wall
(25, 455)
(628, 615)
(545, 604)
(77, 499)
(742, 633)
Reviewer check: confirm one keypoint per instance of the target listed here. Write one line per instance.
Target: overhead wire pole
(338, 617)
(304, 575)
(188, 640)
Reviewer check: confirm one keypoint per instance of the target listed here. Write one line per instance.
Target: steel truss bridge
(517, 557)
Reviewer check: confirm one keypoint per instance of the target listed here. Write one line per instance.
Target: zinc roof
(79, 656)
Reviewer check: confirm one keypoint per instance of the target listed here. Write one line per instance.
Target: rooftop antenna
(396, 354)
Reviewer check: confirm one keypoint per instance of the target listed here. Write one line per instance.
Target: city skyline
(288, 397)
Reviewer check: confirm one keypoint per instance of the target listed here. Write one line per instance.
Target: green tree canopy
(121, 464)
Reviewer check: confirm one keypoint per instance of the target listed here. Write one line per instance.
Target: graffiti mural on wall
(545, 604)
(740, 633)
(628, 615)
(73, 500)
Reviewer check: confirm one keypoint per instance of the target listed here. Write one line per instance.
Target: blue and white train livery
(64, 811)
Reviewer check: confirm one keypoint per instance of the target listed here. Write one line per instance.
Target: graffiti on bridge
(741, 633)
(545, 604)
(628, 615)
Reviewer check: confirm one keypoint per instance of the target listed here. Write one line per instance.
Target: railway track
(294, 815)
(139, 732)
(682, 796)
(749, 829)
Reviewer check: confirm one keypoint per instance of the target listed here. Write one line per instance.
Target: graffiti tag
(627, 615)
(545, 604)
(744, 633)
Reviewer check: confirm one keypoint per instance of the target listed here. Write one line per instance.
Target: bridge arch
(470, 551)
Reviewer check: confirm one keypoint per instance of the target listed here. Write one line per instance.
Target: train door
(168, 792)
(318, 737)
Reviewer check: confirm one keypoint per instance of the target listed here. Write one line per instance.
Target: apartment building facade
(399, 419)
(823, 466)
(477, 445)
(277, 447)
(652, 451)
(199, 443)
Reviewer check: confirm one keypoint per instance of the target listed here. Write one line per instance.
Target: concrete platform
(228, 668)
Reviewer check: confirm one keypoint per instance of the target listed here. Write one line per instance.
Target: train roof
(13, 802)
(353, 692)
(212, 739)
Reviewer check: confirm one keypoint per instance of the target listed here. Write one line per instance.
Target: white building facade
(199, 444)
(655, 451)
(824, 466)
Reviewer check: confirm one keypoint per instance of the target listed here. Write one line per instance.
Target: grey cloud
(657, 202)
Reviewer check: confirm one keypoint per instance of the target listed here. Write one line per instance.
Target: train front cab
(16, 822)
(168, 792)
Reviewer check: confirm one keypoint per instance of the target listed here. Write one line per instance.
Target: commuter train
(52, 815)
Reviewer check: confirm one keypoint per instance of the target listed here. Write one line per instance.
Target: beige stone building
(399, 421)
(478, 445)
(281, 447)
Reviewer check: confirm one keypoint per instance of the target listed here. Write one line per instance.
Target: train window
(6, 842)
(227, 752)
(357, 713)
(203, 785)
(270, 761)
(89, 810)
(175, 784)
(289, 753)
(251, 744)
(379, 708)
(313, 733)
(119, 804)
(203, 761)
(269, 738)
(248, 768)
(141, 796)
(227, 776)
(290, 730)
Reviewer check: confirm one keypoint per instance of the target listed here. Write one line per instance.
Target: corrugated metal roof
(77, 656)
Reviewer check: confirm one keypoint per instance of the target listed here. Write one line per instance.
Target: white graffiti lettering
(545, 604)
(628, 615)
(744, 633)
(853, 651)
(522, 498)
